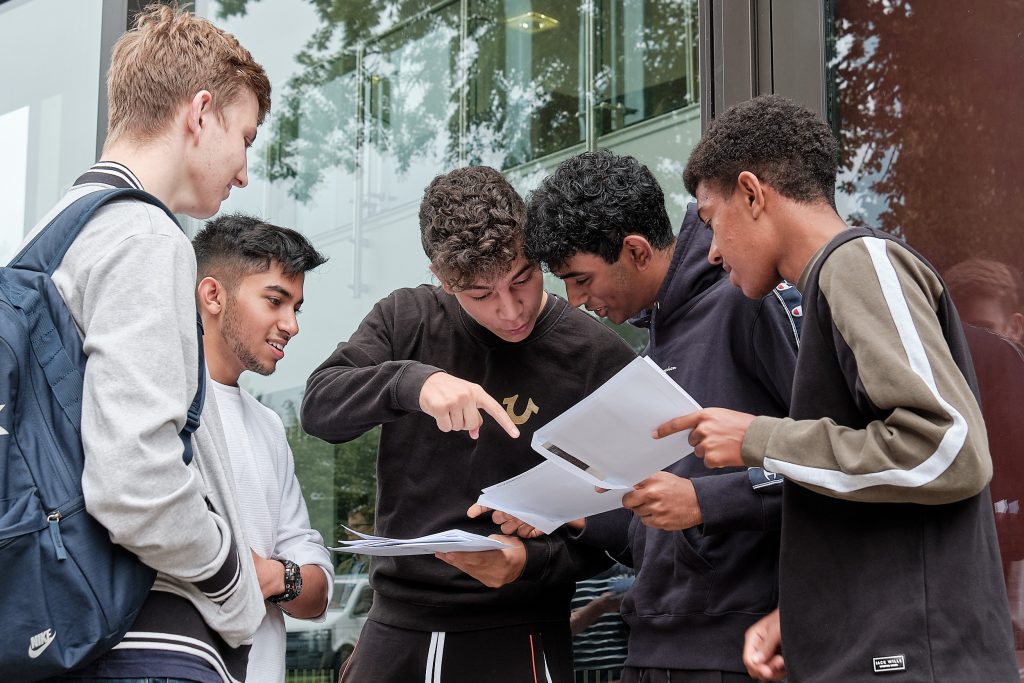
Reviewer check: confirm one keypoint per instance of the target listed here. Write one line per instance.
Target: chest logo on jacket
(521, 418)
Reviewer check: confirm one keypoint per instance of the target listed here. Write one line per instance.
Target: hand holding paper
(509, 525)
(665, 501)
(493, 568)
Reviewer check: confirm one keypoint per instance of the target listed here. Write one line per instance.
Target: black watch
(292, 582)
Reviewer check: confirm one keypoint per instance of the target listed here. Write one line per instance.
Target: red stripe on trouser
(348, 663)
(533, 660)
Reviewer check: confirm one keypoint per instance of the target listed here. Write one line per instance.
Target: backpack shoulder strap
(47, 249)
(44, 253)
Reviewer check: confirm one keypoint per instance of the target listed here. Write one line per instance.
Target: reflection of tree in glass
(316, 125)
(525, 90)
(659, 37)
(339, 481)
(927, 95)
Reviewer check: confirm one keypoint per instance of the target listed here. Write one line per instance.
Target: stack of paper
(604, 440)
(454, 540)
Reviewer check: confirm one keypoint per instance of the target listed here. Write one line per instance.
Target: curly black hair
(235, 245)
(471, 225)
(590, 204)
(784, 144)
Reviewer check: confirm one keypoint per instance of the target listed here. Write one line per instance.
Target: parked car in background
(326, 645)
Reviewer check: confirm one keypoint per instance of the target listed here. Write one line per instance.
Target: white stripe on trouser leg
(428, 677)
(544, 658)
(438, 657)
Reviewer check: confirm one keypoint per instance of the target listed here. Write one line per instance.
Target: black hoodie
(698, 590)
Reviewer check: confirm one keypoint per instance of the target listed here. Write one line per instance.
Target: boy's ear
(637, 251)
(749, 185)
(199, 107)
(1017, 327)
(210, 296)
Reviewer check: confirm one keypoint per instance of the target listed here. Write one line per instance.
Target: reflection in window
(409, 75)
(13, 180)
(526, 89)
(647, 58)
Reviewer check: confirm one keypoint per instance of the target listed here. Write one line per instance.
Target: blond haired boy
(185, 101)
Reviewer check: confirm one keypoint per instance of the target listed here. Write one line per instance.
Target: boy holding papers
(704, 542)
(889, 565)
(426, 364)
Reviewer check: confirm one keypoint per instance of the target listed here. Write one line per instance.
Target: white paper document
(604, 440)
(454, 540)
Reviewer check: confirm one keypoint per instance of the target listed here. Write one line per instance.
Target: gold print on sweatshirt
(521, 418)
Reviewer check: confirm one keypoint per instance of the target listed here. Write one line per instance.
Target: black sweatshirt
(698, 590)
(426, 479)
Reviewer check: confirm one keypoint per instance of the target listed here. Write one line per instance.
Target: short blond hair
(168, 57)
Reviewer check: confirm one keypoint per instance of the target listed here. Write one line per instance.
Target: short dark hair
(784, 144)
(235, 245)
(471, 225)
(979, 278)
(590, 204)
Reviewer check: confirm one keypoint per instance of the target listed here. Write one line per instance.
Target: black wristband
(292, 582)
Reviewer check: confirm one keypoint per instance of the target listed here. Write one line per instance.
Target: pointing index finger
(678, 424)
(494, 409)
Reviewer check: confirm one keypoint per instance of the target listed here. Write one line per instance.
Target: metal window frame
(755, 47)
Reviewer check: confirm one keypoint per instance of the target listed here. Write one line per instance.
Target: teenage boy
(889, 565)
(185, 101)
(423, 364)
(704, 542)
(250, 290)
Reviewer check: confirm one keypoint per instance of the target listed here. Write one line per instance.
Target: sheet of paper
(605, 439)
(453, 540)
(548, 496)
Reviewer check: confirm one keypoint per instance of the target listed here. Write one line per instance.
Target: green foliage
(339, 483)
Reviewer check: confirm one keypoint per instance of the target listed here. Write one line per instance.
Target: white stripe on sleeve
(952, 441)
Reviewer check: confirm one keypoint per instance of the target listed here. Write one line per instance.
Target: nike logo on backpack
(40, 642)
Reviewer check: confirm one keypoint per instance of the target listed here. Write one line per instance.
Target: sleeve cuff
(225, 581)
(728, 503)
(538, 555)
(608, 531)
(755, 442)
(410, 383)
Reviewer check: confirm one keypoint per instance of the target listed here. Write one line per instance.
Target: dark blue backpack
(70, 594)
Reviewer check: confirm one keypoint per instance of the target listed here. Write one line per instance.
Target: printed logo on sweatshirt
(884, 665)
(520, 418)
(2, 430)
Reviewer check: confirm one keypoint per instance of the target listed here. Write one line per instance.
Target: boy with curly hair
(423, 364)
(704, 542)
(888, 564)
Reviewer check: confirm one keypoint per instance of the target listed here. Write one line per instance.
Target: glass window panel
(48, 110)
(647, 62)
(526, 85)
(411, 108)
